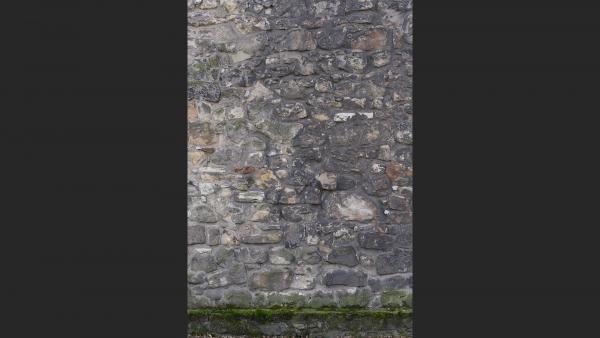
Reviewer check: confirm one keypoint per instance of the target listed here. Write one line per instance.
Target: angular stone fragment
(345, 255)
(250, 255)
(399, 202)
(279, 132)
(280, 256)
(358, 5)
(201, 134)
(272, 280)
(375, 240)
(344, 277)
(213, 236)
(269, 237)
(235, 274)
(309, 255)
(250, 196)
(381, 59)
(299, 40)
(209, 91)
(293, 235)
(328, 180)
(371, 40)
(196, 234)
(397, 261)
(323, 86)
(331, 39)
(349, 206)
(303, 282)
(204, 262)
(204, 214)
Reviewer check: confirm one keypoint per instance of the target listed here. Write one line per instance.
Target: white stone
(343, 117)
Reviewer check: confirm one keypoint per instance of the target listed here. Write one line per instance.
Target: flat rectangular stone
(250, 196)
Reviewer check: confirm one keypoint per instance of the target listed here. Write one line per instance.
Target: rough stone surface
(299, 153)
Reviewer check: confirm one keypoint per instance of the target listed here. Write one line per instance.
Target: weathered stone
(394, 298)
(400, 202)
(359, 5)
(209, 91)
(292, 110)
(381, 59)
(300, 40)
(269, 237)
(309, 255)
(235, 274)
(293, 235)
(398, 261)
(323, 86)
(332, 38)
(279, 132)
(237, 298)
(345, 255)
(213, 236)
(196, 234)
(201, 134)
(345, 277)
(358, 298)
(350, 207)
(272, 280)
(250, 196)
(371, 40)
(204, 262)
(398, 171)
(388, 283)
(250, 255)
(303, 282)
(321, 299)
(375, 240)
(328, 180)
(280, 256)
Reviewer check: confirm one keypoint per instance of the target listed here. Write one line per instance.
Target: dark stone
(375, 240)
(347, 278)
(209, 91)
(331, 38)
(196, 234)
(345, 255)
(250, 255)
(293, 235)
(398, 261)
(235, 274)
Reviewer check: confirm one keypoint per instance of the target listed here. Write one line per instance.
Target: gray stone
(209, 91)
(350, 207)
(399, 260)
(204, 262)
(293, 235)
(345, 255)
(196, 234)
(272, 280)
(213, 236)
(270, 237)
(250, 196)
(205, 214)
(345, 277)
(237, 298)
(388, 283)
(299, 40)
(375, 240)
(371, 40)
(328, 180)
(359, 5)
(309, 255)
(235, 274)
(280, 256)
(359, 298)
(250, 255)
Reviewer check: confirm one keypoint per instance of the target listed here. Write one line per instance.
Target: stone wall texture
(300, 153)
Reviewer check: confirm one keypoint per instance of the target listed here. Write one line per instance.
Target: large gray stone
(375, 240)
(272, 280)
(400, 260)
(196, 234)
(204, 262)
(235, 274)
(344, 255)
(345, 277)
(266, 237)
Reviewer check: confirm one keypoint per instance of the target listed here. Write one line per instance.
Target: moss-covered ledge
(322, 322)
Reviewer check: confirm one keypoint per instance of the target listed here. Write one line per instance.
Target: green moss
(395, 298)
(264, 315)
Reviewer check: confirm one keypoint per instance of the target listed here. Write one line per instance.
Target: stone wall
(300, 153)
